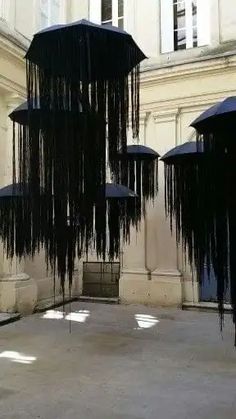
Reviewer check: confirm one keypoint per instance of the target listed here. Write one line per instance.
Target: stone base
(18, 293)
(160, 288)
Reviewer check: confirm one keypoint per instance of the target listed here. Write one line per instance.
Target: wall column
(18, 292)
(134, 281)
(162, 255)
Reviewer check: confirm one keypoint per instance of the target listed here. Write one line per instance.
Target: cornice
(9, 48)
(153, 76)
(192, 103)
(9, 85)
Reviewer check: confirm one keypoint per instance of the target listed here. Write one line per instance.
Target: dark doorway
(208, 288)
(101, 279)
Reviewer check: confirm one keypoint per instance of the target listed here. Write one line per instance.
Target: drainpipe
(149, 272)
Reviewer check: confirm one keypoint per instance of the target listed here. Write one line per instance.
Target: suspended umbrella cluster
(200, 197)
(82, 87)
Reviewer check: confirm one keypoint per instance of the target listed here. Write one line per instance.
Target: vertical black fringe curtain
(139, 172)
(221, 151)
(199, 190)
(84, 78)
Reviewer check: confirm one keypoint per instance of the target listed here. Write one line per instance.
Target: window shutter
(167, 26)
(95, 12)
(203, 22)
(1, 9)
(55, 12)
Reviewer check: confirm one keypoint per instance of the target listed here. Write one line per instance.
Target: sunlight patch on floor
(18, 357)
(145, 321)
(79, 316)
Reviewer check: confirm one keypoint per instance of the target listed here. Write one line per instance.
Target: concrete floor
(119, 362)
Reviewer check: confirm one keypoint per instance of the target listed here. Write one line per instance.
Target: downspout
(149, 272)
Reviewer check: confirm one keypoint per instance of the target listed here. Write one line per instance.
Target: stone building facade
(191, 47)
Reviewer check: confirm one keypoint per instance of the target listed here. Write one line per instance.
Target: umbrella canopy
(139, 170)
(188, 150)
(139, 152)
(20, 114)
(114, 190)
(109, 50)
(11, 191)
(219, 115)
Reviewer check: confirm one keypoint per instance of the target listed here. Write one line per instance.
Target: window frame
(200, 23)
(189, 26)
(48, 13)
(115, 17)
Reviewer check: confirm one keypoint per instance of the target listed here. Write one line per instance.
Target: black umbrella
(215, 128)
(12, 191)
(196, 203)
(109, 50)
(141, 152)
(139, 170)
(187, 150)
(115, 191)
(121, 214)
(221, 114)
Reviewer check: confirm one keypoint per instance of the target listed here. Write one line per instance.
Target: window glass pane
(180, 39)
(194, 12)
(121, 23)
(120, 8)
(106, 10)
(195, 37)
(179, 15)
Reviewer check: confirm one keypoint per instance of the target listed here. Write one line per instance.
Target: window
(107, 12)
(49, 12)
(184, 24)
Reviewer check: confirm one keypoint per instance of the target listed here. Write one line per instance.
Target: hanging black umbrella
(142, 152)
(187, 150)
(184, 173)
(215, 129)
(120, 215)
(223, 113)
(116, 191)
(196, 201)
(91, 39)
(139, 170)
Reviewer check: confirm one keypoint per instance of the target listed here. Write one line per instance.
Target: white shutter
(167, 26)
(203, 22)
(95, 11)
(1, 9)
(115, 12)
(44, 6)
(55, 12)
(189, 23)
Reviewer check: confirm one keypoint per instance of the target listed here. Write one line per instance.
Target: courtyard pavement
(118, 362)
